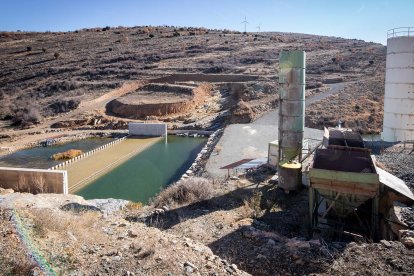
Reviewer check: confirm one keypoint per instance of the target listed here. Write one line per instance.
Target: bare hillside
(44, 74)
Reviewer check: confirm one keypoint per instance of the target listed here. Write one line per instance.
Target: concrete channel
(84, 171)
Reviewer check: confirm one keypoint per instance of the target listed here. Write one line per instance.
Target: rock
(271, 242)
(407, 238)
(79, 208)
(189, 267)
(408, 241)
(6, 191)
(386, 243)
(234, 178)
(132, 234)
(109, 205)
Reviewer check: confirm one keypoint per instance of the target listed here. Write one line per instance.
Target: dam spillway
(145, 174)
(86, 170)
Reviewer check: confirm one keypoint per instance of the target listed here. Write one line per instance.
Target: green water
(144, 175)
(39, 157)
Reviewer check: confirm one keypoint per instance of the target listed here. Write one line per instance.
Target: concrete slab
(243, 141)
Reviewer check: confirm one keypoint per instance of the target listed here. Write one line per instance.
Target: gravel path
(400, 162)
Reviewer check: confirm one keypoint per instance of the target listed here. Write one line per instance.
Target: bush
(56, 55)
(29, 48)
(69, 154)
(188, 191)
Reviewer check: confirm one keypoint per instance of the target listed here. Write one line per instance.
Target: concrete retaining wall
(86, 154)
(142, 129)
(198, 165)
(34, 180)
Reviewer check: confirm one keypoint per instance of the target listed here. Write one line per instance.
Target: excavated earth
(157, 100)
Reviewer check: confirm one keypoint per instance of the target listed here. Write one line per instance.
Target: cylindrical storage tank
(399, 86)
(290, 176)
(292, 104)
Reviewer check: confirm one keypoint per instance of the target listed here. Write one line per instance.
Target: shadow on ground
(282, 214)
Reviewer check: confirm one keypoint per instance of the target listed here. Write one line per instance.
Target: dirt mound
(159, 100)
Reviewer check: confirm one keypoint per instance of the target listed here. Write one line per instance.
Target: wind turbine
(258, 28)
(245, 24)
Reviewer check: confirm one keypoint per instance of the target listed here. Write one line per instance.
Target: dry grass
(69, 154)
(188, 191)
(134, 205)
(60, 222)
(251, 206)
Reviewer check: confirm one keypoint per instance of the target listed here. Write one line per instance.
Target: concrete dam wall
(140, 129)
(34, 180)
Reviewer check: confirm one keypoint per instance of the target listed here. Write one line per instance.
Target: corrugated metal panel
(394, 183)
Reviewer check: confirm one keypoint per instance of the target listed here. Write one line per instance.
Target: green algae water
(145, 174)
(39, 157)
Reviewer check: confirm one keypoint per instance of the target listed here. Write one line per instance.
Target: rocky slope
(237, 227)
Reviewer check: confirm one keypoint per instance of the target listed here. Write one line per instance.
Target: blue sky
(363, 19)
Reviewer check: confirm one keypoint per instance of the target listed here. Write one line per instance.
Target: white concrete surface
(142, 129)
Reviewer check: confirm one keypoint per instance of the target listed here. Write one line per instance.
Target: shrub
(44, 50)
(187, 191)
(56, 55)
(29, 48)
(69, 154)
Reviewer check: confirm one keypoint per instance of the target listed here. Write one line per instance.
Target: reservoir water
(39, 157)
(144, 175)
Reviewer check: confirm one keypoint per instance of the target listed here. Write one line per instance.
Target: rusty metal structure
(343, 179)
(291, 118)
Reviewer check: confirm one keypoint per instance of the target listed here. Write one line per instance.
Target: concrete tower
(399, 86)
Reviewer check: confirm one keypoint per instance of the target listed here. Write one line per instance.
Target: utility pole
(245, 24)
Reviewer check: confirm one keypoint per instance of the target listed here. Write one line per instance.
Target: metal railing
(400, 31)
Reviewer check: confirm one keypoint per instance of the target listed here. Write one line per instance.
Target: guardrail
(400, 31)
(88, 153)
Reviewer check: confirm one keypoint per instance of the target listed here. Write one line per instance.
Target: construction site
(231, 173)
